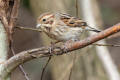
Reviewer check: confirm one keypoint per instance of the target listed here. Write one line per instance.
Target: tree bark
(4, 48)
(8, 15)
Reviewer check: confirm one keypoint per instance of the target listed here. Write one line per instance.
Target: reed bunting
(62, 27)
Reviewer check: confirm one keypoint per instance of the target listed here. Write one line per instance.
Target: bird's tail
(92, 29)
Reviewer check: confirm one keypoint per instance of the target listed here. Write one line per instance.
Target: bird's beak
(38, 25)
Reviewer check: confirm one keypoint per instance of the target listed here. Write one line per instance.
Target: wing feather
(73, 21)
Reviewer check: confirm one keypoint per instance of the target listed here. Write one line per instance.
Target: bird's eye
(71, 23)
(83, 24)
(44, 19)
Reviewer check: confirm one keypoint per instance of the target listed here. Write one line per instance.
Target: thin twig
(73, 63)
(76, 4)
(23, 71)
(44, 68)
(111, 45)
(25, 28)
(20, 66)
(74, 57)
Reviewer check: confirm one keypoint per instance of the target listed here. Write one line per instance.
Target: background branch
(92, 15)
(26, 28)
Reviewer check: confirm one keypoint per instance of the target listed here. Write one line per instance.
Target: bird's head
(45, 21)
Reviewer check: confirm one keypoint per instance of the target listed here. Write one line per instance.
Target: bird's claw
(51, 48)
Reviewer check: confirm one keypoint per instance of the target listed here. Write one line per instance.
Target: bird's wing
(76, 22)
(72, 21)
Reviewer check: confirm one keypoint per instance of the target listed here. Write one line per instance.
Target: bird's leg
(69, 43)
(52, 45)
(66, 44)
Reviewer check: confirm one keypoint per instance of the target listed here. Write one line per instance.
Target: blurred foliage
(110, 11)
(26, 3)
(110, 15)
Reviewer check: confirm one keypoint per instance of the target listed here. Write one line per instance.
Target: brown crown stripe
(52, 16)
(44, 14)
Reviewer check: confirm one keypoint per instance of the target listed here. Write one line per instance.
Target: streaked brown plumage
(62, 27)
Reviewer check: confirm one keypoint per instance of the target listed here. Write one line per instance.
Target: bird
(62, 27)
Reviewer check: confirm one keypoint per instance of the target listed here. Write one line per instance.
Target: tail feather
(92, 29)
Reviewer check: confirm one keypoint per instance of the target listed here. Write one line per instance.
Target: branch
(4, 42)
(26, 28)
(110, 45)
(37, 30)
(14, 4)
(4, 47)
(24, 56)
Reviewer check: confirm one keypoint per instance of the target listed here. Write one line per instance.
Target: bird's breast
(65, 33)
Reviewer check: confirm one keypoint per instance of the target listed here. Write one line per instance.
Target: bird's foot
(51, 48)
(66, 46)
